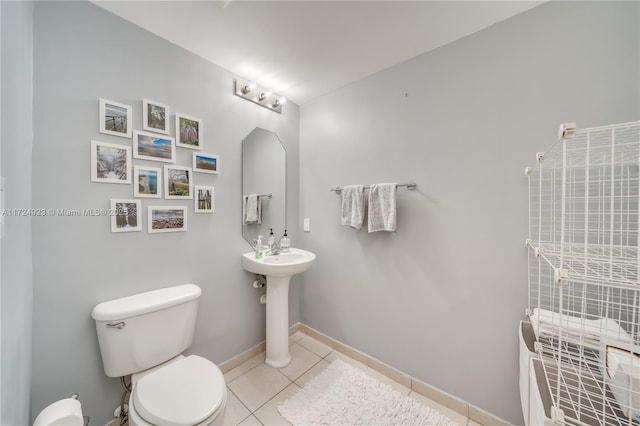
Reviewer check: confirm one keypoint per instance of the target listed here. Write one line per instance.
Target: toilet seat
(184, 392)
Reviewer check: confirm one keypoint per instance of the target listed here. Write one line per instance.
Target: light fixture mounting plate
(258, 95)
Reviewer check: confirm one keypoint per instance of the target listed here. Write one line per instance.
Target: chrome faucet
(274, 249)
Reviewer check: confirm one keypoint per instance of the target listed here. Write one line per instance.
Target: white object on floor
(592, 331)
(344, 395)
(66, 412)
(382, 207)
(353, 206)
(527, 352)
(536, 411)
(623, 368)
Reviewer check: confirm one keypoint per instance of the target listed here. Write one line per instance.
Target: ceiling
(303, 49)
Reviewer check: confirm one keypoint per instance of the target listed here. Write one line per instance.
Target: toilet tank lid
(150, 301)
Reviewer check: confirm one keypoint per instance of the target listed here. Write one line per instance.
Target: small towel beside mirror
(251, 209)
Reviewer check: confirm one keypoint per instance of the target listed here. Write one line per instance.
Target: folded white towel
(546, 323)
(251, 209)
(353, 206)
(382, 207)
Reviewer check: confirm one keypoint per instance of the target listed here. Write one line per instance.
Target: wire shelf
(583, 267)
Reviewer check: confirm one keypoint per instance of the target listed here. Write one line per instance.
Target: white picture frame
(178, 182)
(147, 182)
(110, 163)
(206, 163)
(126, 215)
(115, 118)
(154, 147)
(188, 131)
(155, 116)
(204, 199)
(162, 219)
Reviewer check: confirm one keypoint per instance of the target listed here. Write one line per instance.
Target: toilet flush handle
(119, 325)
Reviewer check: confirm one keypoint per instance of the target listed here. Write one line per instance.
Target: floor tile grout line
(241, 402)
(307, 370)
(249, 415)
(280, 391)
(269, 400)
(311, 350)
(292, 381)
(257, 365)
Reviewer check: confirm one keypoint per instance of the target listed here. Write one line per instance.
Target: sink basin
(278, 268)
(279, 265)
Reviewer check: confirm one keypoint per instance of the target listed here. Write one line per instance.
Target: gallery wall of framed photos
(155, 174)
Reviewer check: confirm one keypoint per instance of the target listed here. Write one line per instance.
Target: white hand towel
(353, 206)
(382, 207)
(251, 209)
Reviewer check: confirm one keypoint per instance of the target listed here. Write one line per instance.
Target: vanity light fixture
(278, 102)
(248, 88)
(259, 95)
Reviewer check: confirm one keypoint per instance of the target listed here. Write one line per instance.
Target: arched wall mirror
(264, 173)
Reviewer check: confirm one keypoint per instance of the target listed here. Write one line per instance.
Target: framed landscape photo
(188, 132)
(178, 183)
(155, 116)
(206, 163)
(126, 215)
(147, 182)
(166, 219)
(204, 199)
(115, 118)
(110, 163)
(150, 146)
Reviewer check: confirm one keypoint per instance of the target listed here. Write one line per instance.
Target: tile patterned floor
(255, 390)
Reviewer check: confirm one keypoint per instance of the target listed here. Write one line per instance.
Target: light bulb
(248, 88)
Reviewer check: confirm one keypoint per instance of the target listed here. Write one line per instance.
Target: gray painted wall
(82, 53)
(441, 298)
(16, 293)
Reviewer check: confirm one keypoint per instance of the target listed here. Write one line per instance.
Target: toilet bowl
(144, 335)
(184, 391)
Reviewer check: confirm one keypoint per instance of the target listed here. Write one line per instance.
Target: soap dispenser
(259, 247)
(285, 243)
(271, 240)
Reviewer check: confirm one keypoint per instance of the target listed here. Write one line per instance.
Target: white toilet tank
(144, 330)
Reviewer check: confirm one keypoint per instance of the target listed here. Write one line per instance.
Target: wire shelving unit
(584, 293)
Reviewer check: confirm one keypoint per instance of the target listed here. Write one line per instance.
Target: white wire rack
(584, 294)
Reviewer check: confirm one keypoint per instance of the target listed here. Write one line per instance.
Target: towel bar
(410, 186)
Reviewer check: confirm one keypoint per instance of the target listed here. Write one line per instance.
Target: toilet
(144, 336)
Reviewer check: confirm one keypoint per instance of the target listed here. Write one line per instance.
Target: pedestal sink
(278, 268)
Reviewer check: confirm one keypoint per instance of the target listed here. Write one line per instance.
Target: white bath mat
(345, 395)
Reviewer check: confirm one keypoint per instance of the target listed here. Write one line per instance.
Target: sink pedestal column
(278, 322)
